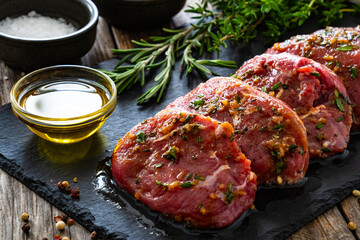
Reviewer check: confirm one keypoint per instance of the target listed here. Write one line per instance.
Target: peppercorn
(60, 225)
(26, 228)
(64, 217)
(75, 193)
(60, 185)
(24, 216)
(70, 222)
(93, 235)
(65, 238)
(356, 193)
(68, 188)
(352, 226)
(45, 239)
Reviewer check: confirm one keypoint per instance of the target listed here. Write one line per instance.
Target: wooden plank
(351, 209)
(101, 50)
(8, 77)
(6, 206)
(330, 225)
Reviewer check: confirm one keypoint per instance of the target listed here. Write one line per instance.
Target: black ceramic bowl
(28, 54)
(138, 14)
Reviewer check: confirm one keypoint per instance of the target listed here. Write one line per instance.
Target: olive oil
(64, 99)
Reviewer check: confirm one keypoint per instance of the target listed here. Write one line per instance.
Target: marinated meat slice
(338, 49)
(186, 166)
(312, 90)
(268, 132)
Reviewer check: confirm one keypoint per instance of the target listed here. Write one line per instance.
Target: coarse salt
(36, 26)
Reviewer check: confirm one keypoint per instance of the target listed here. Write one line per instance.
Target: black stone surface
(40, 165)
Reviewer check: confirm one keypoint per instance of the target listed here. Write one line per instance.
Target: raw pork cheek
(205, 157)
(268, 132)
(310, 89)
(338, 49)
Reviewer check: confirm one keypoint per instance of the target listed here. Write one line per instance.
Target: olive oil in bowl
(64, 104)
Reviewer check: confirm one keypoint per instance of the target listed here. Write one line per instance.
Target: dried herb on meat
(140, 136)
(229, 195)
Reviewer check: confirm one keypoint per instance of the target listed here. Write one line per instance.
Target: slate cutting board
(40, 165)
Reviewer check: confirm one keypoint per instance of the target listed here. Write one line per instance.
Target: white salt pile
(36, 26)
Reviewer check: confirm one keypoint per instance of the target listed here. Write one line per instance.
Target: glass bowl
(65, 103)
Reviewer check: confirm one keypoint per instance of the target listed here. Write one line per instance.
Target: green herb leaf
(140, 136)
(316, 74)
(229, 195)
(186, 184)
(276, 86)
(345, 48)
(320, 125)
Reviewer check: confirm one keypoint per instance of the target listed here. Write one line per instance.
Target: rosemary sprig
(236, 20)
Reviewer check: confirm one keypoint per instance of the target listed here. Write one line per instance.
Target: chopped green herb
(183, 137)
(197, 176)
(194, 157)
(346, 48)
(161, 184)
(186, 184)
(188, 119)
(339, 104)
(354, 72)
(325, 150)
(240, 109)
(320, 125)
(336, 93)
(244, 131)
(264, 90)
(263, 129)
(301, 151)
(189, 176)
(275, 86)
(273, 153)
(199, 139)
(170, 154)
(229, 195)
(140, 136)
(223, 135)
(237, 98)
(158, 165)
(292, 148)
(316, 74)
(285, 86)
(137, 181)
(279, 166)
(146, 150)
(231, 138)
(279, 126)
(228, 156)
(152, 134)
(196, 104)
(339, 119)
(259, 108)
(236, 131)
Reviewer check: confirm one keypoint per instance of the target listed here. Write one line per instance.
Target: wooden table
(15, 198)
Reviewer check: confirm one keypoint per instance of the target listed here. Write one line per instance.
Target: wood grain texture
(351, 210)
(330, 225)
(15, 198)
